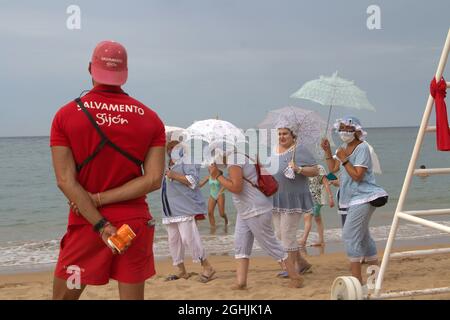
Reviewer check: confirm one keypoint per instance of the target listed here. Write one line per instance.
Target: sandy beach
(403, 274)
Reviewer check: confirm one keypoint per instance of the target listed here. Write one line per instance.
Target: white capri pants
(286, 226)
(259, 228)
(185, 235)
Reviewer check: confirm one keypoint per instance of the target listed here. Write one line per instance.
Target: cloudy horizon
(193, 60)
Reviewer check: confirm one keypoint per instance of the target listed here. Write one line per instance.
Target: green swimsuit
(214, 188)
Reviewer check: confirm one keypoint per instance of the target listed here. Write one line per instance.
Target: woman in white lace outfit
(359, 194)
(182, 200)
(293, 197)
(253, 220)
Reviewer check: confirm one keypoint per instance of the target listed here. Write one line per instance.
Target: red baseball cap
(109, 63)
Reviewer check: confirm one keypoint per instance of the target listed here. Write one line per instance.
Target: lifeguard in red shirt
(108, 154)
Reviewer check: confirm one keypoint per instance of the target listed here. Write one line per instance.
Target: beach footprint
(11, 285)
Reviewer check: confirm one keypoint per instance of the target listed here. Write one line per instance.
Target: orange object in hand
(122, 238)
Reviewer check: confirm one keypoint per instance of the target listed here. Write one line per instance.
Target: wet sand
(263, 283)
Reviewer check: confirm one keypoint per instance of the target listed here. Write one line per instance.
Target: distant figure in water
(216, 197)
(423, 175)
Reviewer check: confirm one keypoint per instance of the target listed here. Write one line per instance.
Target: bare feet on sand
(305, 268)
(296, 283)
(239, 287)
(207, 276)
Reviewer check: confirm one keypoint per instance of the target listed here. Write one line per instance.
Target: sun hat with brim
(352, 122)
(109, 63)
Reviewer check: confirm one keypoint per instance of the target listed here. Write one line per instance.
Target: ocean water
(33, 212)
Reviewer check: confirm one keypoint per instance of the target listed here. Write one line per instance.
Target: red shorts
(200, 216)
(84, 248)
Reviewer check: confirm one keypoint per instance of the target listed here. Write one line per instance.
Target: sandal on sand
(283, 274)
(174, 277)
(203, 278)
(305, 269)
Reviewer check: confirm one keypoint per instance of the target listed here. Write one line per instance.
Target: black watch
(99, 225)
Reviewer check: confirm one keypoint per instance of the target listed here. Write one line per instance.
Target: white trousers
(286, 226)
(184, 235)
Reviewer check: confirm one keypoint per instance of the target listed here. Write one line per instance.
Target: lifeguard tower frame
(349, 288)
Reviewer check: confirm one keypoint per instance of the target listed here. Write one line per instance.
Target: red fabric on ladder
(438, 92)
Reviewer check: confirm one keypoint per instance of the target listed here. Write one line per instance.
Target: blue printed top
(182, 202)
(353, 192)
(293, 196)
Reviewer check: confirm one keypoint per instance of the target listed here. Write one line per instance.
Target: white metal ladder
(413, 216)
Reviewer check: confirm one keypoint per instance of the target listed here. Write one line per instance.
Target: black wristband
(99, 225)
(345, 162)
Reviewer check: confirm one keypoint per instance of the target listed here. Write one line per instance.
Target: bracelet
(345, 162)
(100, 224)
(299, 170)
(99, 200)
(104, 227)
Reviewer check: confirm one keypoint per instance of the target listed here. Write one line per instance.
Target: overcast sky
(191, 60)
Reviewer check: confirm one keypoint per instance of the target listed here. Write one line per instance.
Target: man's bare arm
(64, 166)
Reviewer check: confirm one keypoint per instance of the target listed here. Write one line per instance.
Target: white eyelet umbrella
(173, 133)
(216, 133)
(307, 125)
(334, 91)
(213, 130)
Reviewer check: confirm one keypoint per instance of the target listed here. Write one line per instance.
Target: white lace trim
(169, 220)
(363, 200)
(175, 263)
(357, 127)
(198, 260)
(290, 211)
(372, 258)
(192, 181)
(356, 259)
(242, 256)
(182, 261)
(284, 152)
(363, 258)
